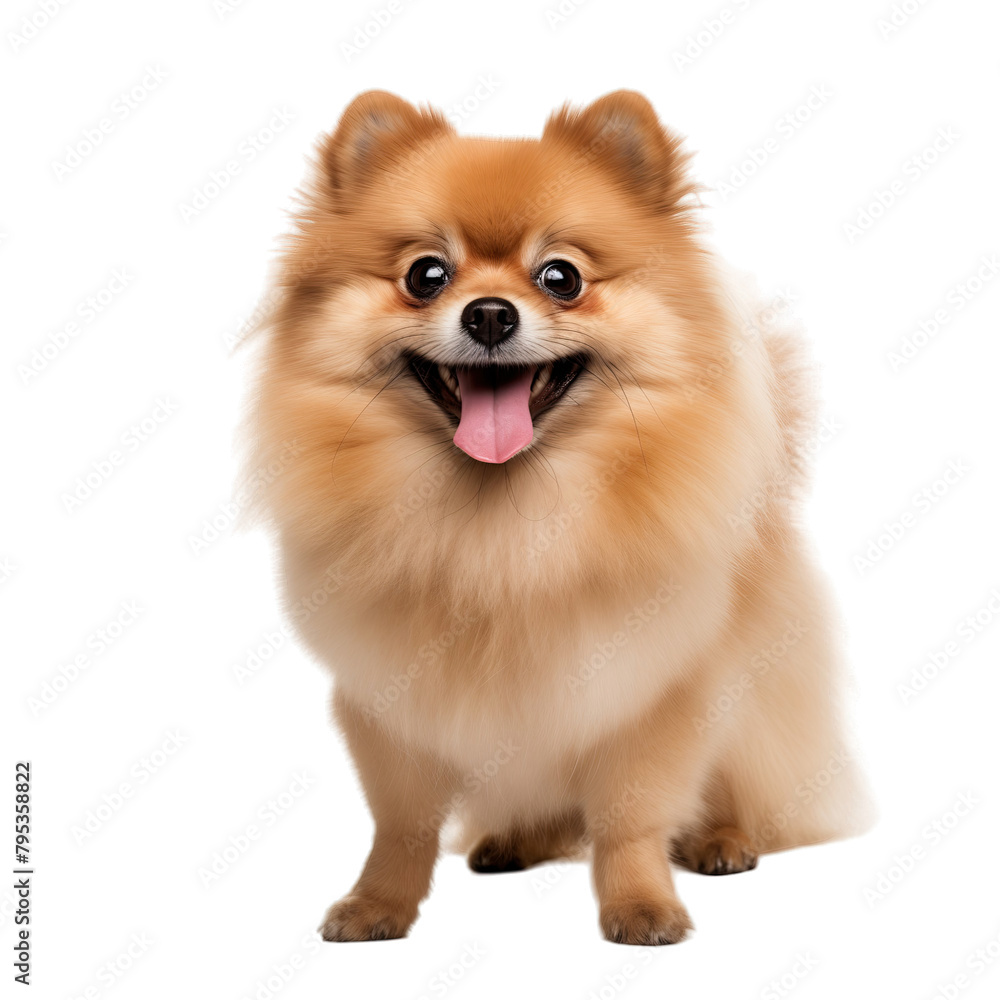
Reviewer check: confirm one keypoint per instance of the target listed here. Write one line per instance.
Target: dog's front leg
(640, 787)
(408, 792)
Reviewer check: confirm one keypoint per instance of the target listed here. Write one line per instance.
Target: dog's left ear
(622, 132)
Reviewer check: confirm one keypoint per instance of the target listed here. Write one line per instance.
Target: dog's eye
(427, 277)
(560, 279)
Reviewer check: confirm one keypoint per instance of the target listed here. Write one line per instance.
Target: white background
(165, 336)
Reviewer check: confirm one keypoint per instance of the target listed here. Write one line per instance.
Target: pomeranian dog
(535, 463)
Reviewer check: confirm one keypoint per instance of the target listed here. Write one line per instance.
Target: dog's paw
(358, 918)
(494, 855)
(648, 922)
(722, 857)
(728, 852)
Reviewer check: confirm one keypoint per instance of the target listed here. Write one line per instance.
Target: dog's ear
(621, 132)
(375, 131)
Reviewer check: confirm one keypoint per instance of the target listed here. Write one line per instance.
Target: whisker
(640, 388)
(535, 461)
(635, 422)
(384, 347)
(389, 382)
(467, 469)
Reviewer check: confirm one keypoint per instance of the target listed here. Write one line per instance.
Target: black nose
(489, 320)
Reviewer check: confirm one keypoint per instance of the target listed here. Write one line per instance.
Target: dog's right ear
(375, 131)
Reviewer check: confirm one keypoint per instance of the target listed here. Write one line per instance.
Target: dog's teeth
(541, 379)
(448, 377)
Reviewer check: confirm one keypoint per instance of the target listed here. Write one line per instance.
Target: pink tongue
(496, 421)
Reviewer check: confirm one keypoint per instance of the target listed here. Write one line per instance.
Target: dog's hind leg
(530, 844)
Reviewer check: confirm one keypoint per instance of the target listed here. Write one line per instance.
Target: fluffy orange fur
(615, 641)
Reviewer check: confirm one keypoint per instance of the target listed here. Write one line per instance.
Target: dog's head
(470, 321)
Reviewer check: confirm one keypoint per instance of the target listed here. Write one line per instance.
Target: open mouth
(496, 405)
